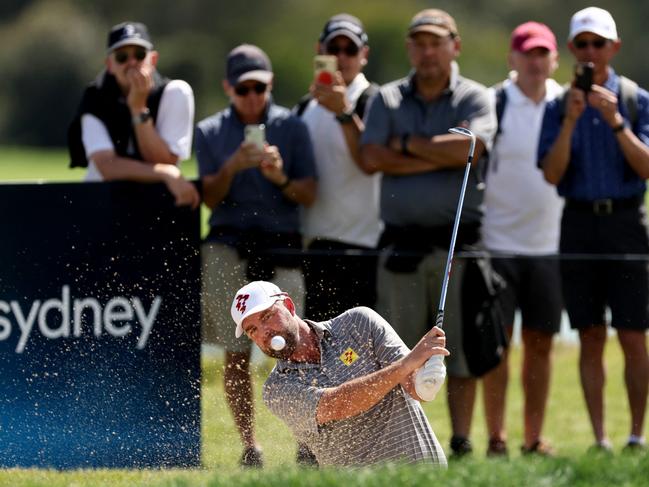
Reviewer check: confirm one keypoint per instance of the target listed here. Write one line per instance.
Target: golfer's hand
(432, 343)
(430, 378)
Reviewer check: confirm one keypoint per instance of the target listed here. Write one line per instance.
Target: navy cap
(344, 25)
(129, 34)
(246, 62)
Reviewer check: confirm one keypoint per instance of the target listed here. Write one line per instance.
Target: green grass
(567, 425)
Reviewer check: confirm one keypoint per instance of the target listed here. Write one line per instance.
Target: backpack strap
(298, 109)
(629, 96)
(361, 103)
(501, 102)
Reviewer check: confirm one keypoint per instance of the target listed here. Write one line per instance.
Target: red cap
(530, 35)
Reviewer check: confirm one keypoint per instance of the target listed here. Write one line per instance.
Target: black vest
(103, 99)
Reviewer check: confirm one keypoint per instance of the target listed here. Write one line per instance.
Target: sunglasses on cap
(350, 49)
(596, 43)
(122, 56)
(243, 90)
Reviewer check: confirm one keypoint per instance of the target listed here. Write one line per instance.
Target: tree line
(53, 48)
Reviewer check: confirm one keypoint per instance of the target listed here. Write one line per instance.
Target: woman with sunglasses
(255, 189)
(597, 153)
(133, 124)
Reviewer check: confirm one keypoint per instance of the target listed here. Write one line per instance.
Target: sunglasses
(597, 44)
(122, 56)
(243, 90)
(350, 50)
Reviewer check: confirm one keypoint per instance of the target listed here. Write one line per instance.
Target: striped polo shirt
(354, 344)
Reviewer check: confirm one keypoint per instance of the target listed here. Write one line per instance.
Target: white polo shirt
(174, 124)
(347, 205)
(522, 211)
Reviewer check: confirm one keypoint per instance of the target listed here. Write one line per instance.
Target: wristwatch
(619, 128)
(141, 117)
(346, 117)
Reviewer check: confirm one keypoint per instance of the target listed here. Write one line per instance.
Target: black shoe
(252, 458)
(539, 448)
(634, 447)
(461, 446)
(304, 457)
(497, 448)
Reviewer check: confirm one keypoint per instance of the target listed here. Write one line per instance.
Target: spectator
(593, 146)
(519, 202)
(254, 192)
(345, 215)
(406, 139)
(344, 386)
(132, 123)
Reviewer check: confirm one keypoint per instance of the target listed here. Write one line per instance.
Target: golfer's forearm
(358, 395)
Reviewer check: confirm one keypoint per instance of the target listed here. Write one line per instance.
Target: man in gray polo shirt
(345, 387)
(406, 138)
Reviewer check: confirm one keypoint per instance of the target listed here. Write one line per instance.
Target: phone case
(324, 67)
(255, 134)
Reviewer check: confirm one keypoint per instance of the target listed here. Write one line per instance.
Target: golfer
(345, 387)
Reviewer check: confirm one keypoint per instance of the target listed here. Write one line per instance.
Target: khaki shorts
(224, 273)
(409, 302)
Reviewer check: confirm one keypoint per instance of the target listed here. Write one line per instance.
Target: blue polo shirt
(597, 168)
(253, 202)
(429, 199)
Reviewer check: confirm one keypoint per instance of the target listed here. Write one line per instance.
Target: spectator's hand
(575, 104)
(184, 192)
(430, 378)
(395, 144)
(246, 156)
(272, 165)
(141, 83)
(332, 97)
(605, 102)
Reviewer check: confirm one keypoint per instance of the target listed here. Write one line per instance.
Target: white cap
(595, 20)
(253, 298)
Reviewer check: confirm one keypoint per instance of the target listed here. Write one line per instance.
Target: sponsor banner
(99, 327)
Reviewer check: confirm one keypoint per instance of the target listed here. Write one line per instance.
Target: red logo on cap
(241, 302)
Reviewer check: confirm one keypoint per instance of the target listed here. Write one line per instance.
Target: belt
(605, 206)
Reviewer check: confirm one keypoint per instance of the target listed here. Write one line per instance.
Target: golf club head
(466, 133)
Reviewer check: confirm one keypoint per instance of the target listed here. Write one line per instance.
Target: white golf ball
(277, 343)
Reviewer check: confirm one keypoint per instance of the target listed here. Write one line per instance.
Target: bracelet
(284, 185)
(619, 128)
(404, 144)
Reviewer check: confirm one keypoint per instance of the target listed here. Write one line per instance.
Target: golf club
(439, 320)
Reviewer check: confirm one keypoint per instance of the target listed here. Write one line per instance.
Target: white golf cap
(595, 20)
(252, 298)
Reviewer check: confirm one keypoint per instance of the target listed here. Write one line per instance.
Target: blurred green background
(52, 48)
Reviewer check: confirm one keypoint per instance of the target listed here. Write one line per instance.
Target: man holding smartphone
(255, 192)
(596, 150)
(344, 219)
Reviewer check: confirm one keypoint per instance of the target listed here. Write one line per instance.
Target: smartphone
(325, 67)
(255, 134)
(584, 76)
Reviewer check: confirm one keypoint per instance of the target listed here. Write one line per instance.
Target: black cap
(246, 62)
(129, 34)
(344, 25)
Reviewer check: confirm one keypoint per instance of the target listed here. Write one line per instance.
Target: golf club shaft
(439, 320)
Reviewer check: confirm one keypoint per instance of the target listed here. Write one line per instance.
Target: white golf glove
(430, 378)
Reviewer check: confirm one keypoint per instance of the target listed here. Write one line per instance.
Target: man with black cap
(133, 124)
(254, 188)
(406, 138)
(594, 147)
(344, 219)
